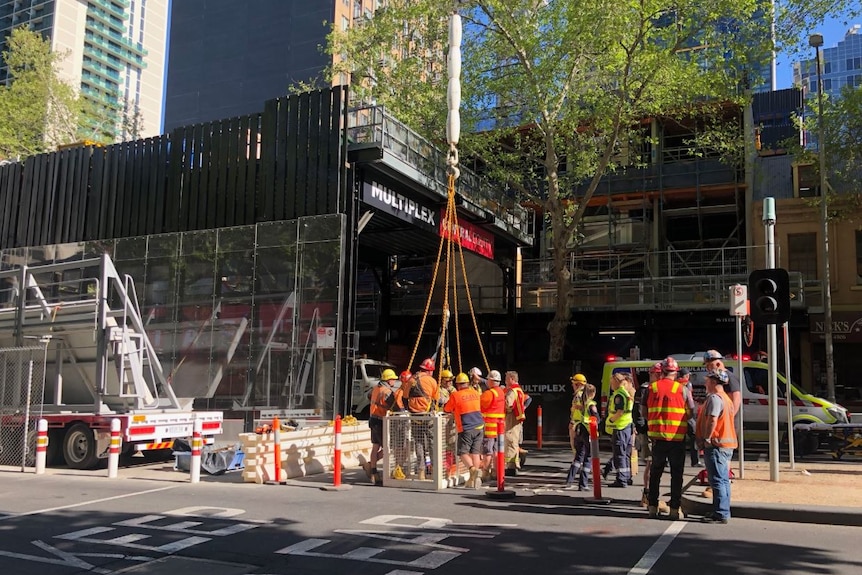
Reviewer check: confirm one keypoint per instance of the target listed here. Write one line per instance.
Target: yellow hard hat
(446, 374)
(579, 378)
(462, 378)
(388, 375)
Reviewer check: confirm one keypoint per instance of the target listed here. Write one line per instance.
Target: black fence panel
(281, 164)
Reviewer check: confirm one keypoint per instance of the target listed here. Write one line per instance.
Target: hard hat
(388, 375)
(446, 374)
(494, 375)
(656, 368)
(711, 355)
(669, 364)
(475, 371)
(462, 378)
(719, 375)
(406, 376)
(427, 364)
(579, 378)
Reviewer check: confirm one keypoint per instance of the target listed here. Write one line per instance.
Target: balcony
(373, 127)
(673, 280)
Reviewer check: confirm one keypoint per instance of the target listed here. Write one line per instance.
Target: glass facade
(238, 316)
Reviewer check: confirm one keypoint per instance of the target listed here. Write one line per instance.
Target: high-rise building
(115, 53)
(226, 57)
(841, 65)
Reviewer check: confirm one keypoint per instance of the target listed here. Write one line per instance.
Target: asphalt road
(156, 524)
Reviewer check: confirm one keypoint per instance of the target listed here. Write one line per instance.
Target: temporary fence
(420, 451)
(22, 384)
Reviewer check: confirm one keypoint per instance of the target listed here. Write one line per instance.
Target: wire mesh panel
(419, 451)
(22, 384)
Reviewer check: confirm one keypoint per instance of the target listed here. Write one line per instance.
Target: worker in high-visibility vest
(619, 424)
(583, 410)
(516, 407)
(382, 397)
(716, 434)
(464, 404)
(493, 404)
(667, 422)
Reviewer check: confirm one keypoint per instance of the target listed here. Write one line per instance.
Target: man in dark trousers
(667, 422)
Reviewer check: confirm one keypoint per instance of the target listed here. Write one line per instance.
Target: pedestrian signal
(769, 293)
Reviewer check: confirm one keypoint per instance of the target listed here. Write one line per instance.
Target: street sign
(326, 338)
(739, 300)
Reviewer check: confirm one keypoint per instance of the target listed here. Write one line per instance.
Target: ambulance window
(757, 381)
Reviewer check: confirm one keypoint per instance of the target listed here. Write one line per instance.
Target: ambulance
(806, 408)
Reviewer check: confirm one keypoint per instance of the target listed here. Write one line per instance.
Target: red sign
(471, 237)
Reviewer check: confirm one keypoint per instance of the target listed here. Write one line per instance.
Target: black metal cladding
(284, 163)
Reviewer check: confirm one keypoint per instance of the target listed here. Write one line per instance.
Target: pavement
(814, 491)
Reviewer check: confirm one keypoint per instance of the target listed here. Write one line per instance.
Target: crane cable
(449, 233)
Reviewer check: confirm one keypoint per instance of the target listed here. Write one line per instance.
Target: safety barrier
(596, 463)
(539, 427)
(114, 449)
(197, 445)
(303, 452)
(41, 446)
(420, 452)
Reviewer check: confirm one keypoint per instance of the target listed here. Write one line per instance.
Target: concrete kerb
(849, 516)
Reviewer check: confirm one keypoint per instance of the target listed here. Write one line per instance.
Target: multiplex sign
(470, 237)
(403, 208)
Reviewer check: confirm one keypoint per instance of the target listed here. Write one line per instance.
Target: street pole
(771, 344)
(788, 397)
(816, 41)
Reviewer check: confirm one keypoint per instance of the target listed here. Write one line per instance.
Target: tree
(565, 85)
(38, 111)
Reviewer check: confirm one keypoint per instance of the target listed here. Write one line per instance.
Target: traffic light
(769, 293)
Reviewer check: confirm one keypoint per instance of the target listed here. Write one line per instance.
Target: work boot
(707, 493)
(421, 475)
(675, 514)
(375, 478)
(471, 480)
(366, 466)
(645, 499)
(663, 508)
(653, 512)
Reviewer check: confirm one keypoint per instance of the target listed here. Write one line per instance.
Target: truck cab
(366, 374)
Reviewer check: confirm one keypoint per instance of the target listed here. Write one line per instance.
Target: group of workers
(657, 419)
(478, 405)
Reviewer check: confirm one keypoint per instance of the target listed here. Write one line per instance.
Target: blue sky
(833, 31)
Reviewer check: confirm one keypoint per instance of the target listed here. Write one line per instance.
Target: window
(827, 67)
(345, 23)
(805, 180)
(802, 254)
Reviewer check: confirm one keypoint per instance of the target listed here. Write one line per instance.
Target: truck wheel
(79, 447)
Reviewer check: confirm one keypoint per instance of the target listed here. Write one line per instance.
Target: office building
(841, 66)
(228, 57)
(115, 53)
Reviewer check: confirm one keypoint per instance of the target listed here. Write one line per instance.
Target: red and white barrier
(114, 450)
(539, 427)
(596, 463)
(336, 460)
(41, 446)
(501, 455)
(197, 446)
(276, 429)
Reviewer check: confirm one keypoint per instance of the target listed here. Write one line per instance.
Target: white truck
(74, 351)
(366, 374)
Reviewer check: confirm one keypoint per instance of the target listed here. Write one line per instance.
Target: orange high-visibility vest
(380, 400)
(464, 403)
(724, 434)
(518, 407)
(666, 416)
(493, 409)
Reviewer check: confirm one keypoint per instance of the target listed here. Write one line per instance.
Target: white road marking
(92, 501)
(654, 553)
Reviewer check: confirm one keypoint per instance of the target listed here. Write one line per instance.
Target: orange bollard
(539, 427)
(597, 464)
(276, 428)
(501, 455)
(197, 445)
(336, 460)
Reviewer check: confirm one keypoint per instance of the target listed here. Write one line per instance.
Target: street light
(816, 41)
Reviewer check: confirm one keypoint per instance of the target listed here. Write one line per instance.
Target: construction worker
(619, 425)
(667, 422)
(516, 407)
(684, 378)
(422, 398)
(493, 404)
(716, 434)
(476, 379)
(582, 412)
(446, 386)
(382, 398)
(578, 382)
(464, 404)
(643, 442)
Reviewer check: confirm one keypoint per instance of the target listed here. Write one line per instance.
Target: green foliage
(38, 111)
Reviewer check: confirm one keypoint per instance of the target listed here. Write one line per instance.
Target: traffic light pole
(771, 344)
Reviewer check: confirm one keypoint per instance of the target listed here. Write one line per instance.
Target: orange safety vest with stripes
(724, 434)
(493, 409)
(666, 414)
(518, 407)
